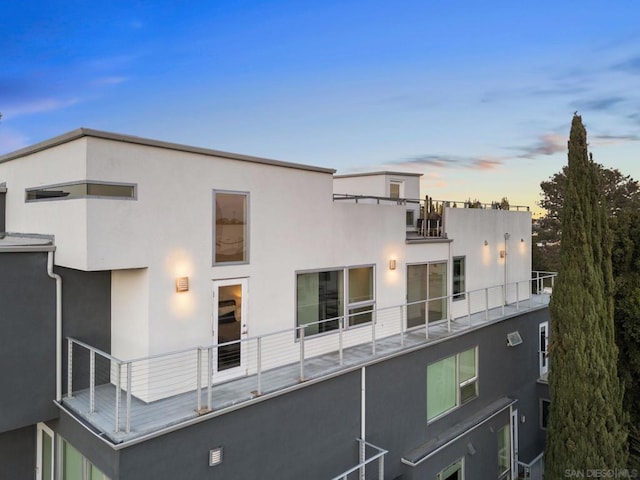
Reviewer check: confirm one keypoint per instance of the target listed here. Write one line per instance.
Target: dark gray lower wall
(86, 312)
(311, 432)
(18, 453)
(397, 395)
(3, 211)
(27, 342)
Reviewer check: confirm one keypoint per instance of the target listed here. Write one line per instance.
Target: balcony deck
(148, 418)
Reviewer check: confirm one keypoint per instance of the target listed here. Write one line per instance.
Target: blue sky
(477, 96)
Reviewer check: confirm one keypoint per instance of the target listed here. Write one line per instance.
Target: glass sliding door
(426, 293)
(438, 291)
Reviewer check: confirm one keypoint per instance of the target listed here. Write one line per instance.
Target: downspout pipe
(58, 280)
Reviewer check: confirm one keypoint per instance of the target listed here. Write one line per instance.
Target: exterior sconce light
(522, 240)
(503, 254)
(392, 264)
(182, 284)
(486, 243)
(215, 457)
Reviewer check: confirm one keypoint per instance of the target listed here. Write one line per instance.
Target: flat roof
(25, 242)
(87, 132)
(368, 174)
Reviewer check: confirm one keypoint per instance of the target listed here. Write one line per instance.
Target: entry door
(44, 452)
(229, 326)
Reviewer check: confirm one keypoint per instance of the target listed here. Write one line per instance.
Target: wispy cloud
(600, 104)
(37, 105)
(613, 139)
(108, 81)
(547, 144)
(631, 65)
(438, 161)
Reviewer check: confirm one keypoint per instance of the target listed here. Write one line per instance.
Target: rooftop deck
(109, 406)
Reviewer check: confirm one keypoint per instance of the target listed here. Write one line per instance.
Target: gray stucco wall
(27, 344)
(86, 312)
(396, 400)
(311, 432)
(18, 453)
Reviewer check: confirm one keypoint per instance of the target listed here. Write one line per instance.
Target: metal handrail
(364, 462)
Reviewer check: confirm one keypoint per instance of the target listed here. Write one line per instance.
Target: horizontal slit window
(82, 190)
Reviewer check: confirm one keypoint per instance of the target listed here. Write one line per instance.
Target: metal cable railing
(124, 392)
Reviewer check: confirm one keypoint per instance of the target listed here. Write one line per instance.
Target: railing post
(69, 368)
(92, 381)
(486, 304)
(199, 380)
(402, 325)
(117, 412)
(426, 319)
(340, 341)
(128, 414)
(469, 307)
(259, 359)
(381, 468)
(209, 376)
(362, 454)
(301, 329)
(373, 334)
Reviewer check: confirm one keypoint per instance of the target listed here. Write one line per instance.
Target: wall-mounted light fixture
(503, 253)
(182, 284)
(215, 457)
(392, 264)
(522, 240)
(486, 243)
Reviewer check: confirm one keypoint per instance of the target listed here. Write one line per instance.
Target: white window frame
(346, 278)
(505, 474)
(42, 428)
(247, 229)
(459, 295)
(441, 473)
(86, 463)
(543, 348)
(460, 385)
(344, 321)
(400, 184)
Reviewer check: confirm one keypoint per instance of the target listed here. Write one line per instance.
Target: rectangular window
(426, 293)
(394, 189)
(544, 413)
(410, 218)
(323, 301)
(504, 452)
(361, 295)
(320, 301)
(452, 472)
(65, 191)
(543, 344)
(77, 467)
(458, 278)
(451, 382)
(230, 229)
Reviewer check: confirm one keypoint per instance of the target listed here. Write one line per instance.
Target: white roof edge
(383, 172)
(87, 132)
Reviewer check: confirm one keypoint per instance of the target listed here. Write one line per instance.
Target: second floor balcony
(128, 399)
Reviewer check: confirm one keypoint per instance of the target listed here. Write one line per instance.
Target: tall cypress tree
(586, 429)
